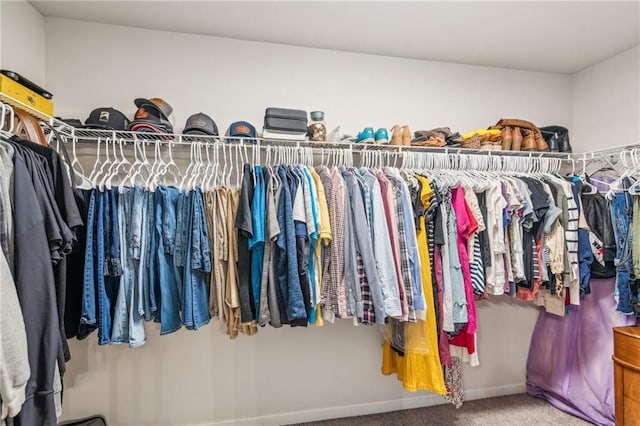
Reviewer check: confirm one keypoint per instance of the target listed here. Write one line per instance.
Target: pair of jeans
(163, 271)
(88, 319)
(621, 218)
(139, 250)
(128, 325)
(197, 262)
(108, 268)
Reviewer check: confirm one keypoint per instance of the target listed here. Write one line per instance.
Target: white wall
(22, 46)
(281, 375)
(605, 102)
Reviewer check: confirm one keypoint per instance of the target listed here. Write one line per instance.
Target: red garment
(524, 294)
(466, 226)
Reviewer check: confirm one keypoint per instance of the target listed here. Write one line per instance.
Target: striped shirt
(477, 268)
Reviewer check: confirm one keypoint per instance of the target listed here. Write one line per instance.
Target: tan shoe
(516, 139)
(506, 138)
(396, 135)
(529, 141)
(541, 144)
(406, 136)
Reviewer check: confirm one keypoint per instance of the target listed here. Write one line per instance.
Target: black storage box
(285, 120)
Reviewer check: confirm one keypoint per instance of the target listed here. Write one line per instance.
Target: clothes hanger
(112, 166)
(141, 160)
(104, 167)
(171, 167)
(634, 189)
(97, 163)
(615, 186)
(159, 164)
(197, 169)
(207, 167)
(185, 177)
(122, 162)
(591, 189)
(82, 181)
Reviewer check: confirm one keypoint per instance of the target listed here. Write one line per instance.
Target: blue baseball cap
(241, 129)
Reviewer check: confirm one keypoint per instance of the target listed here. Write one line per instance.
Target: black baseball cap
(200, 124)
(106, 119)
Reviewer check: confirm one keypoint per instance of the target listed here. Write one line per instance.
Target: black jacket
(598, 217)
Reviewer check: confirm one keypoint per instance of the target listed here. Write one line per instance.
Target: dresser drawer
(626, 358)
(626, 345)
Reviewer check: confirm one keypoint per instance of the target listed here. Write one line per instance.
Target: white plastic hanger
(104, 167)
(185, 177)
(171, 168)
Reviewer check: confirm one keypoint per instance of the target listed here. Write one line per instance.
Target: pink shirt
(467, 226)
(394, 234)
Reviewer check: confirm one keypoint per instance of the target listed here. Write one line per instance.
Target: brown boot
(396, 135)
(516, 139)
(406, 136)
(541, 144)
(529, 141)
(506, 138)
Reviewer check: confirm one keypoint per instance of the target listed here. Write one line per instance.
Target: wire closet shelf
(82, 135)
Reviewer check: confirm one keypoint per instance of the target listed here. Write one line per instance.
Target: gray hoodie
(14, 363)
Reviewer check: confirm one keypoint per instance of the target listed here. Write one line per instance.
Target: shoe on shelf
(506, 138)
(396, 135)
(541, 144)
(406, 136)
(381, 137)
(366, 136)
(516, 139)
(529, 141)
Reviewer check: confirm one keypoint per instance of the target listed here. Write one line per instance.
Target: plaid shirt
(368, 313)
(405, 268)
(333, 263)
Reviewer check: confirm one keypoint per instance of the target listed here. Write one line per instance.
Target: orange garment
(419, 368)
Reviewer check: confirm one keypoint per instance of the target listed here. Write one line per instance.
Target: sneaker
(366, 136)
(381, 137)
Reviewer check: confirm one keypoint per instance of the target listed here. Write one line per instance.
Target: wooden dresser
(626, 365)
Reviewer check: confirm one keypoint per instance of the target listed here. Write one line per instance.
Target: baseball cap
(158, 103)
(200, 124)
(241, 129)
(141, 126)
(152, 116)
(106, 119)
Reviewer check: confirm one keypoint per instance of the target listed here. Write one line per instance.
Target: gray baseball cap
(200, 124)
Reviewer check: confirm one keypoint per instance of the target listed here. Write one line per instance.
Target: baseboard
(365, 408)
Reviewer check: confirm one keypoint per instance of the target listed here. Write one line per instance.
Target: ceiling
(562, 37)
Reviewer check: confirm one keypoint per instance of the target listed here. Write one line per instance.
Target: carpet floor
(508, 410)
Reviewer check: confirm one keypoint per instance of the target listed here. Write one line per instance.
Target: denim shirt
(352, 285)
(313, 232)
(411, 241)
(382, 249)
(287, 262)
(364, 245)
